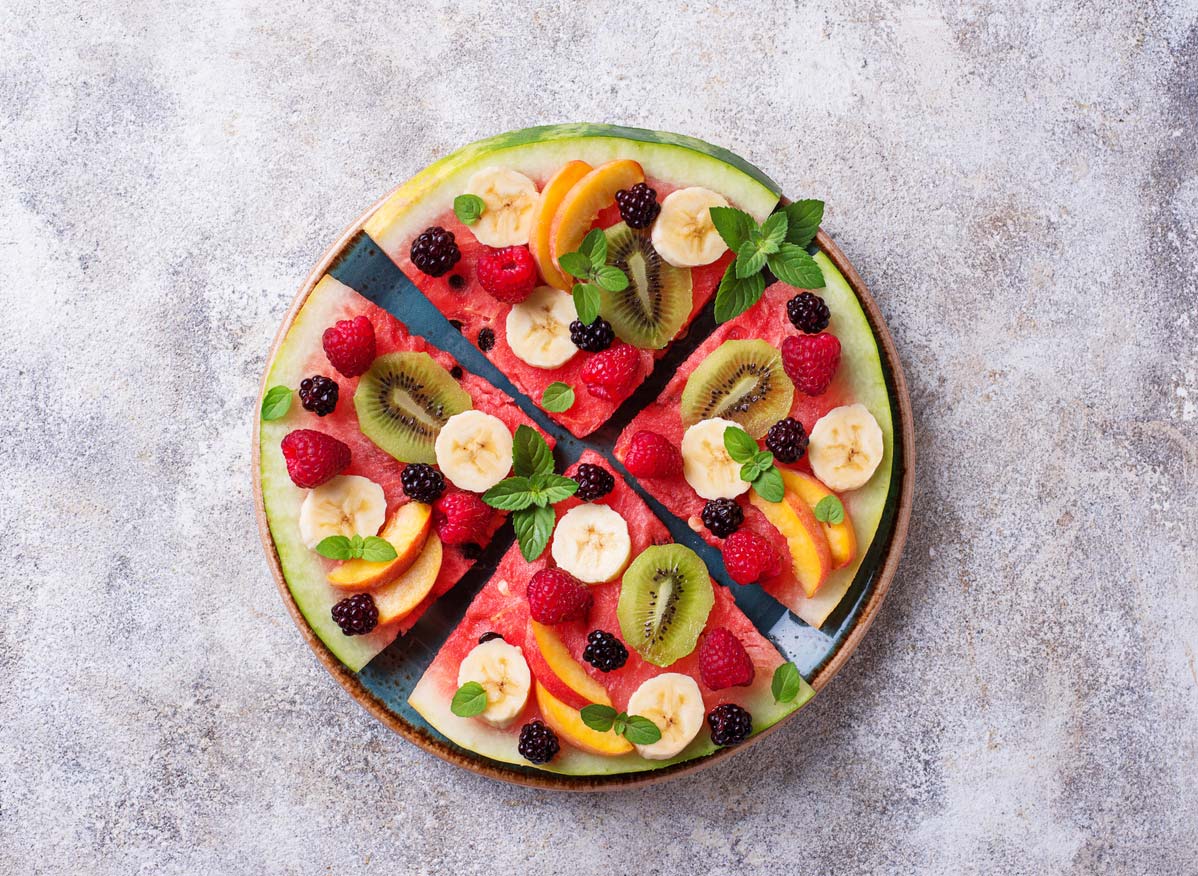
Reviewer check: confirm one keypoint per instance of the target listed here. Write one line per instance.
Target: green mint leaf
(530, 453)
(793, 266)
(749, 260)
(619, 724)
(829, 510)
(470, 700)
(586, 303)
(764, 459)
(276, 402)
(750, 471)
(737, 294)
(733, 225)
(533, 527)
(803, 219)
(769, 485)
(611, 278)
(773, 232)
(378, 550)
(594, 247)
(557, 397)
(786, 684)
(598, 717)
(510, 494)
(552, 488)
(575, 264)
(740, 444)
(335, 547)
(641, 731)
(468, 208)
(356, 545)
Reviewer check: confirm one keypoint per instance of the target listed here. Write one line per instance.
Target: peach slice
(567, 723)
(578, 209)
(842, 538)
(407, 531)
(397, 599)
(542, 220)
(562, 675)
(809, 552)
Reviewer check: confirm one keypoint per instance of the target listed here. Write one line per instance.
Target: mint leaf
(764, 459)
(803, 219)
(530, 454)
(470, 700)
(356, 544)
(641, 731)
(737, 294)
(829, 510)
(749, 260)
(335, 547)
(468, 208)
(586, 303)
(575, 264)
(793, 266)
(611, 278)
(773, 232)
(378, 550)
(740, 444)
(786, 684)
(594, 247)
(619, 724)
(276, 402)
(750, 471)
(552, 488)
(533, 527)
(769, 485)
(598, 717)
(733, 225)
(510, 494)
(557, 397)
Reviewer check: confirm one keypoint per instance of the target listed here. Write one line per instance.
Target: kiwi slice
(664, 602)
(741, 381)
(404, 400)
(657, 301)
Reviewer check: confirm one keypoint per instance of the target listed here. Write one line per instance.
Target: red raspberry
(652, 456)
(811, 361)
(555, 597)
(313, 457)
(461, 517)
(748, 557)
(723, 660)
(609, 375)
(350, 345)
(508, 274)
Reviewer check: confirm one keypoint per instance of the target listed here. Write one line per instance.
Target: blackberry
(434, 252)
(723, 517)
(808, 313)
(638, 205)
(604, 651)
(538, 744)
(486, 637)
(486, 339)
(357, 615)
(422, 483)
(594, 338)
(457, 282)
(318, 394)
(594, 482)
(456, 372)
(787, 440)
(729, 724)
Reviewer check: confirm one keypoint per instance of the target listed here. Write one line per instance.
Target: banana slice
(845, 448)
(683, 234)
(591, 543)
(538, 328)
(706, 465)
(474, 450)
(511, 199)
(673, 702)
(503, 672)
(347, 505)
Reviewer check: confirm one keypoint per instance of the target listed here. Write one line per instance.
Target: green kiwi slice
(741, 381)
(404, 400)
(658, 298)
(665, 598)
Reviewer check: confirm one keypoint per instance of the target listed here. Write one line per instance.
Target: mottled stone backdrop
(1017, 181)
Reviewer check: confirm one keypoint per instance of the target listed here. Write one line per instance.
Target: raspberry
(595, 337)
(486, 637)
(461, 517)
(808, 313)
(486, 339)
(318, 394)
(508, 274)
(313, 457)
(787, 440)
(811, 361)
(594, 482)
(723, 660)
(604, 651)
(349, 344)
(748, 557)
(652, 456)
(422, 483)
(357, 615)
(729, 724)
(434, 252)
(538, 744)
(638, 205)
(555, 597)
(723, 517)
(610, 375)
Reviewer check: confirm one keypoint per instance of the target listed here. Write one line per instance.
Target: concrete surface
(1018, 182)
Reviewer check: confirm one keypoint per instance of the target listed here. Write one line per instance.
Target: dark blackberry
(538, 744)
(723, 517)
(594, 482)
(457, 282)
(638, 205)
(471, 551)
(787, 440)
(357, 615)
(808, 313)
(318, 394)
(456, 372)
(486, 637)
(729, 724)
(486, 339)
(422, 483)
(434, 252)
(604, 651)
(594, 338)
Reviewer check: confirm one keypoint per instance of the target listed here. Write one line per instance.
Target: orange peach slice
(578, 209)
(542, 221)
(406, 531)
(842, 538)
(397, 599)
(567, 723)
(809, 552)
(556, 668)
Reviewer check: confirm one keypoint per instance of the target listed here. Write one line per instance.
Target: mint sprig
(531, 491)
(829, 509)
(557, 397)
(372, 549)
(276, 402)
(588, 264)
(637, 729)
(469, 700)
(468, 208)
(786, 683)
(757, 465)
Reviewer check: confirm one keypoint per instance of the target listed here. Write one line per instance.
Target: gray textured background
(1015, 180)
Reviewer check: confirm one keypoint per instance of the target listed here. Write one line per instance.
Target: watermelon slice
(859, 379)
(301, 355)
(502, 607)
